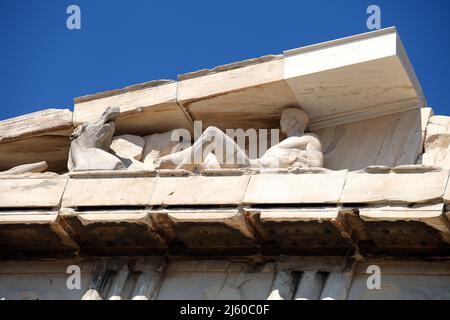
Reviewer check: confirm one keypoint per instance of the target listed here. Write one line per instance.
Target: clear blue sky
(45, 65)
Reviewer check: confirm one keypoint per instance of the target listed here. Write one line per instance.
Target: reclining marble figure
(298, 150)
(90, 145)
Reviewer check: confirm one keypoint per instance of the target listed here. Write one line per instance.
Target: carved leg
(196, 155)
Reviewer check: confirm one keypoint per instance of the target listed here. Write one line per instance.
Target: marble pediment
(363, 82)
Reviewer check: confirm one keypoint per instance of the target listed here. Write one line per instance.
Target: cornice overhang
(377, 211)
(336, 82)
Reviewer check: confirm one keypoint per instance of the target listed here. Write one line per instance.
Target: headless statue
(298, 150)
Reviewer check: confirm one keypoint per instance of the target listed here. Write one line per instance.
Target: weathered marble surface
(45, 122)
(437, 142)
(438, 125)
(199, 190)
(128, 146)
(158, 145)
(289, 189)
(390, 140)
(145, 108)
(256, 93)
(36, 137)
(394, 187)
(354, 78)
(115, 191)
(206, 213)
(431, 215)
(31, 193)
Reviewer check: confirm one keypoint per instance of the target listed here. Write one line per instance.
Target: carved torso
(302, 151)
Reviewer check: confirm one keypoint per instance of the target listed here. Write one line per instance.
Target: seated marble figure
(298, 150)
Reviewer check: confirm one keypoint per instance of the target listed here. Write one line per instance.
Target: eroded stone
(31, 193)
(128, 146)
(394, 187)
(298, 189)
(199, 190)
(108, 191)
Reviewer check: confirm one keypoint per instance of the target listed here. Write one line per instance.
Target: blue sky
(45, 65)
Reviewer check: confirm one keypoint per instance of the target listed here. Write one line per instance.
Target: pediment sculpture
(299, 149)
(91, 148)
(91, 142)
